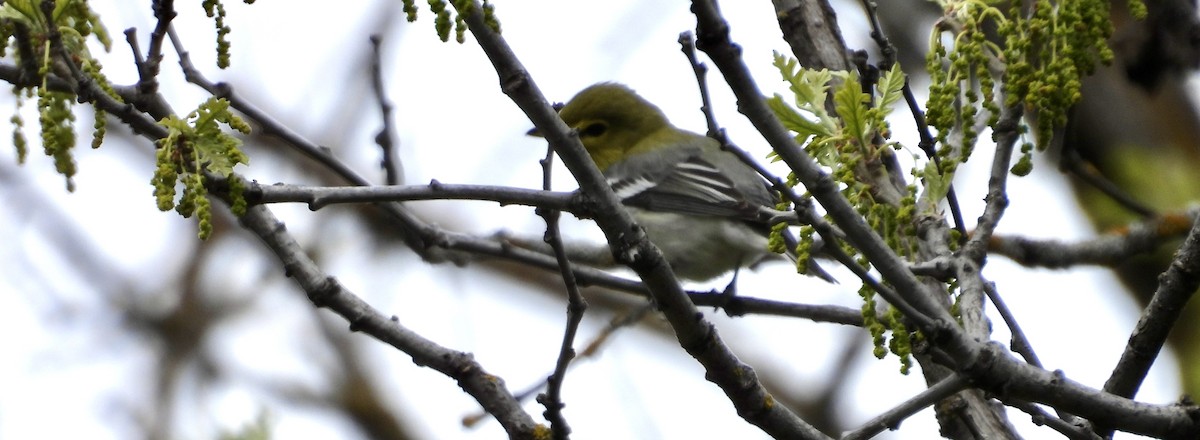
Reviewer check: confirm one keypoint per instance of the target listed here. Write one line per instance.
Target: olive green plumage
(699, 204)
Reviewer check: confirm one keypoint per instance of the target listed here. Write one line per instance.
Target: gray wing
(687, 180)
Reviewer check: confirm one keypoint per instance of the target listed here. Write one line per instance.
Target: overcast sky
(67, 360)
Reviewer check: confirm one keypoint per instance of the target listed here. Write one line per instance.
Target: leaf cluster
(27, 29)
(1037, 51)
(847, 134)
(195, 147)
(444, 21)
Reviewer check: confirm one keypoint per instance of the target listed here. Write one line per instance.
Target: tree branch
(1105, 250)
(892, 418)
(386, 138)
(696, 335)
(324, 291)
(1175, 287)
(576, 306)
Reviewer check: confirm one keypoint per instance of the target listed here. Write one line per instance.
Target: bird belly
(701, 248)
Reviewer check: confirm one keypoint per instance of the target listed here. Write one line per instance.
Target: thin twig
(145, 93)
(1006, 134)
(892, 418)
(1019, 343)
(592, 349)
(418, 235)
(386, 138)
(885, 46)
(970, 261)
(1105, 250)
(318, 197)
(164, 13)
(576, 306)
(687, 43)
(926, 142)
(1175, 288)
(1072, 163)
(138, 59)
(326, 292)
(1041, 417)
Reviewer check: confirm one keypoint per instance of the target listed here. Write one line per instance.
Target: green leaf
(851, 104)
(21, 10)
(793, 120)
(807, 85)
(937, 185)
(824, 150)
(891, 86)
(195, 142)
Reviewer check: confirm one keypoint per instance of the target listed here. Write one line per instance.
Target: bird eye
(594, 129)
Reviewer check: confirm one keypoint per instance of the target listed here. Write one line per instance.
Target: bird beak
(534, 131)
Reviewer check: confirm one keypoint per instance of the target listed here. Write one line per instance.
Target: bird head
(611, 119)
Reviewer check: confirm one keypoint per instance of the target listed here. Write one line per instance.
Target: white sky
(66, 359)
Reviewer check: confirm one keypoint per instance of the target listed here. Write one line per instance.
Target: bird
(705, 209)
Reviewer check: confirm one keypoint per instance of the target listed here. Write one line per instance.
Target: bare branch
(318, 197)
(386, 138)
(1175, 287)
(325, 291)
(629, 244)
(892, 418)
(576, 306)
(1106, 250)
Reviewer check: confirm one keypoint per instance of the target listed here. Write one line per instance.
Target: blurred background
(118, 323)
